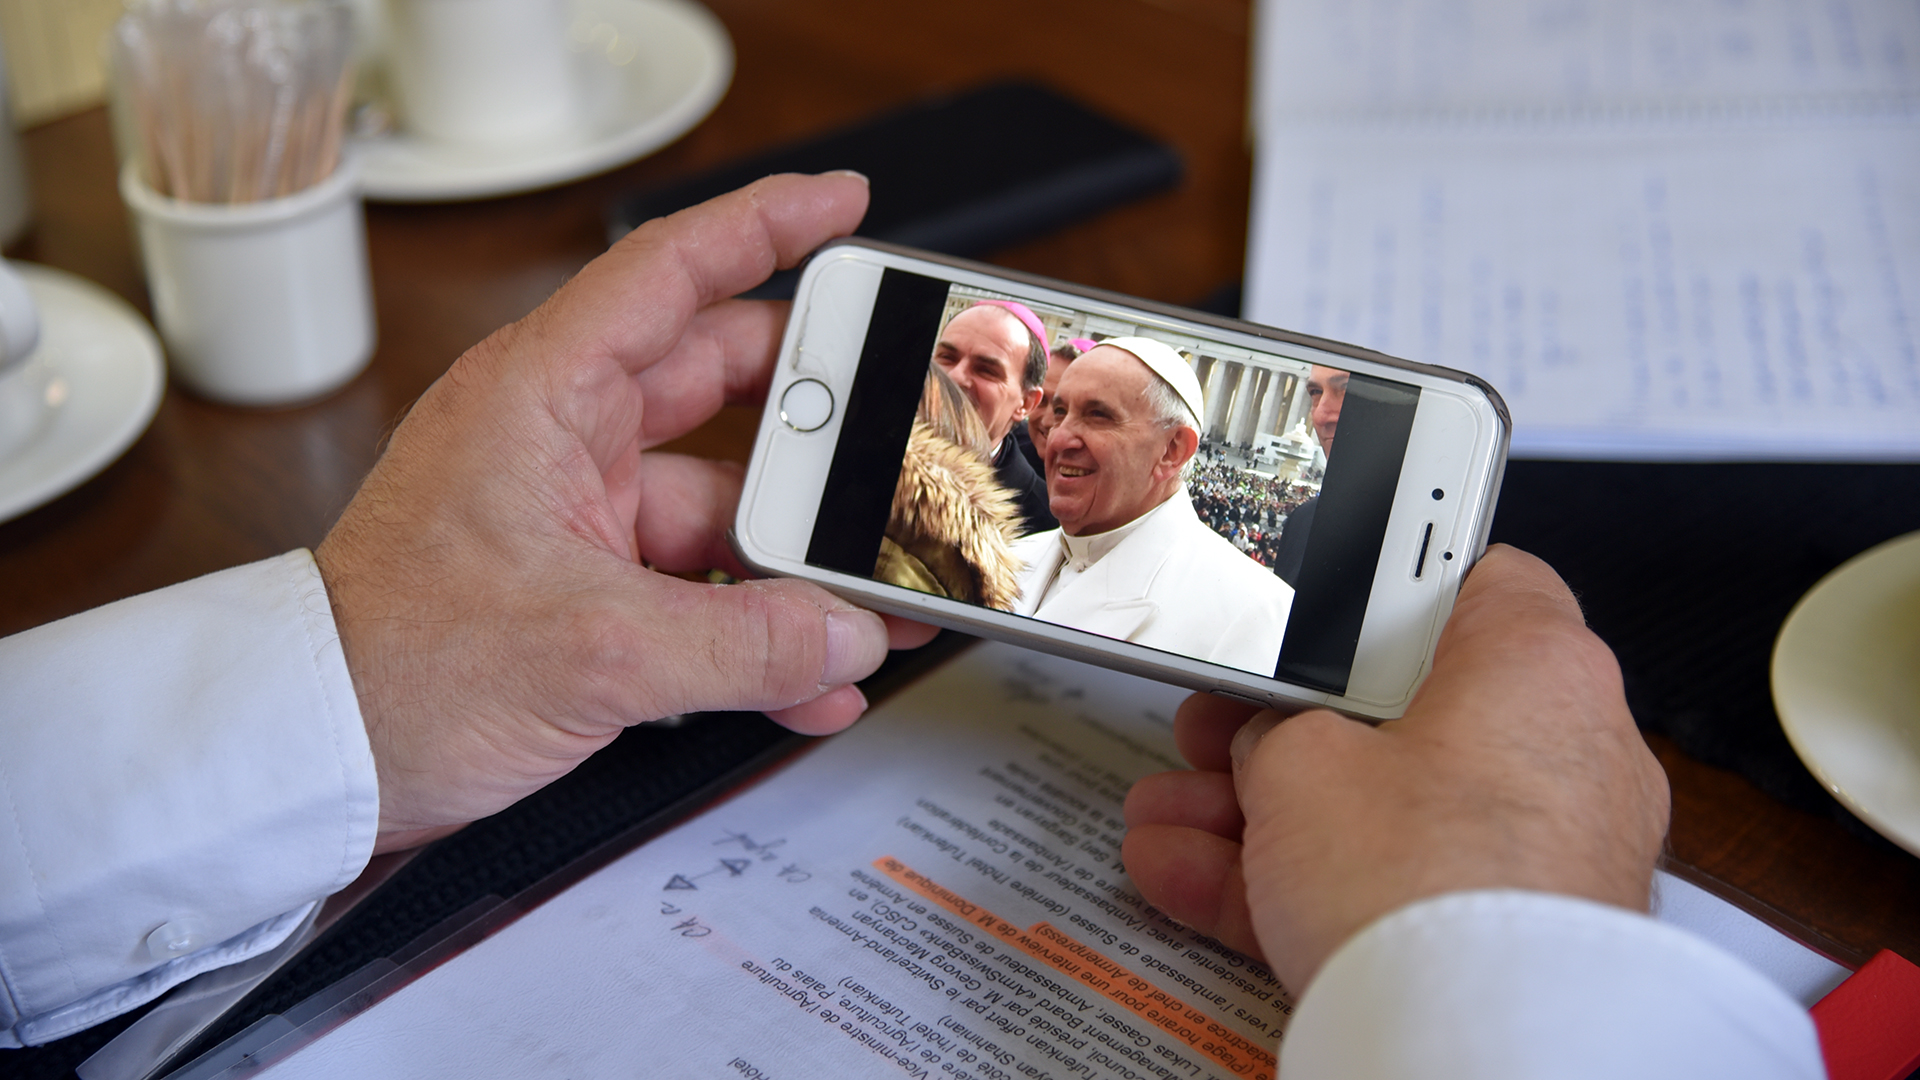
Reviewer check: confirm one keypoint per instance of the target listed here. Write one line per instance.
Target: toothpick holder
(261, 303)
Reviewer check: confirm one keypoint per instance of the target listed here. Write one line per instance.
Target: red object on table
(1870, 1025)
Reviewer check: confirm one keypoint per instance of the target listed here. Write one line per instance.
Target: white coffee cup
(261, 303)
(483, 71)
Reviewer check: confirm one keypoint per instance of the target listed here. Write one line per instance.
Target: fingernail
(856, 643)
(1249, 735)
(862, 177)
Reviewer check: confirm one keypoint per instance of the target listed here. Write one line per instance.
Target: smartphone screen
(1251, 542)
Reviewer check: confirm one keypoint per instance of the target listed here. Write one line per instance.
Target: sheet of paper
(1672, 229)
(932, 894)
(1528, 57)
(1805, 975)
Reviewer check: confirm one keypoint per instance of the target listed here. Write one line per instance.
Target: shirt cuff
(137, 991)
(1506, 983)
(182, 774)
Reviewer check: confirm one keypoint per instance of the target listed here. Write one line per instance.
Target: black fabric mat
(1687, 571)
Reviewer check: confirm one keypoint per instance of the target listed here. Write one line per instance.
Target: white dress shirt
(1501, 984)
(182, 775)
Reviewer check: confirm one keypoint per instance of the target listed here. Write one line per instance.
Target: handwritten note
(1661, 228)
(936, 893)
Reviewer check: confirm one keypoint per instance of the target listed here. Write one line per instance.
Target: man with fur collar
(1131, 560)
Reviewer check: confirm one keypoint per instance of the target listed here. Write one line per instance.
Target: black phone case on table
(961, 175)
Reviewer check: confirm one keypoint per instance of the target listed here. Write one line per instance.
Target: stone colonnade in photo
(1247, 395)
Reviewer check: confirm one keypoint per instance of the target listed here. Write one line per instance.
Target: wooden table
(210, 486)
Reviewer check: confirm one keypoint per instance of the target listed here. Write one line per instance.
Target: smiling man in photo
(1131, 560)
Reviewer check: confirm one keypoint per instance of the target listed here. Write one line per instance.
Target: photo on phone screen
(1115, 477)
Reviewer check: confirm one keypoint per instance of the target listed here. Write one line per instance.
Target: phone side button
(806, 405)
(1221, 691)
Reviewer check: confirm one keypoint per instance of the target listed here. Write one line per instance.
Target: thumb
(765, 645)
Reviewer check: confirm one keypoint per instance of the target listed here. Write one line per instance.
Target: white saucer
(84, 395)
(1846, 682)
(650, 70)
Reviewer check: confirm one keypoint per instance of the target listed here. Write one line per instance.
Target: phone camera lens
(1447, 555)
(1438, 494)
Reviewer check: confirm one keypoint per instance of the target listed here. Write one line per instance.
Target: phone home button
(806, 405)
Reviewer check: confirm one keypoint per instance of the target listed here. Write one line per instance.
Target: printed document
(935, 893)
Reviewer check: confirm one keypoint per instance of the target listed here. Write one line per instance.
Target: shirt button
(176, 938)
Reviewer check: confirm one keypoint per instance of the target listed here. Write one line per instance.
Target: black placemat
(1687, 571)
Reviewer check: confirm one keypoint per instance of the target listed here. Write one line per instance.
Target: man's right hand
(1516, 766)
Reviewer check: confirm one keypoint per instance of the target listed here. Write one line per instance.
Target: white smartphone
(1199, 500)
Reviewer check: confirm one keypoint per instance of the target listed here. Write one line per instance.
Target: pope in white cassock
(1131, 560)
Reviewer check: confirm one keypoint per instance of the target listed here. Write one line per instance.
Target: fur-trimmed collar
(951, 514)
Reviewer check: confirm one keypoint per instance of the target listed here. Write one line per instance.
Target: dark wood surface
(211, 486)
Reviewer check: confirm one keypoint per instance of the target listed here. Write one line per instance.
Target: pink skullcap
(1024, 314)
(1082, 343)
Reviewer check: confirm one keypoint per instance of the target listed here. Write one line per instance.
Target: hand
(1516, 766)
(487, 579)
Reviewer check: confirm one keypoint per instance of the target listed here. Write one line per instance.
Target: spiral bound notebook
(1664, 229)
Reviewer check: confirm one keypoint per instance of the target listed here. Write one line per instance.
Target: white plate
(649, 69)
(1846, 682)
(84, 395)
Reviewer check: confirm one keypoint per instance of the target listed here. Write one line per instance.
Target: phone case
(1085, 646)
